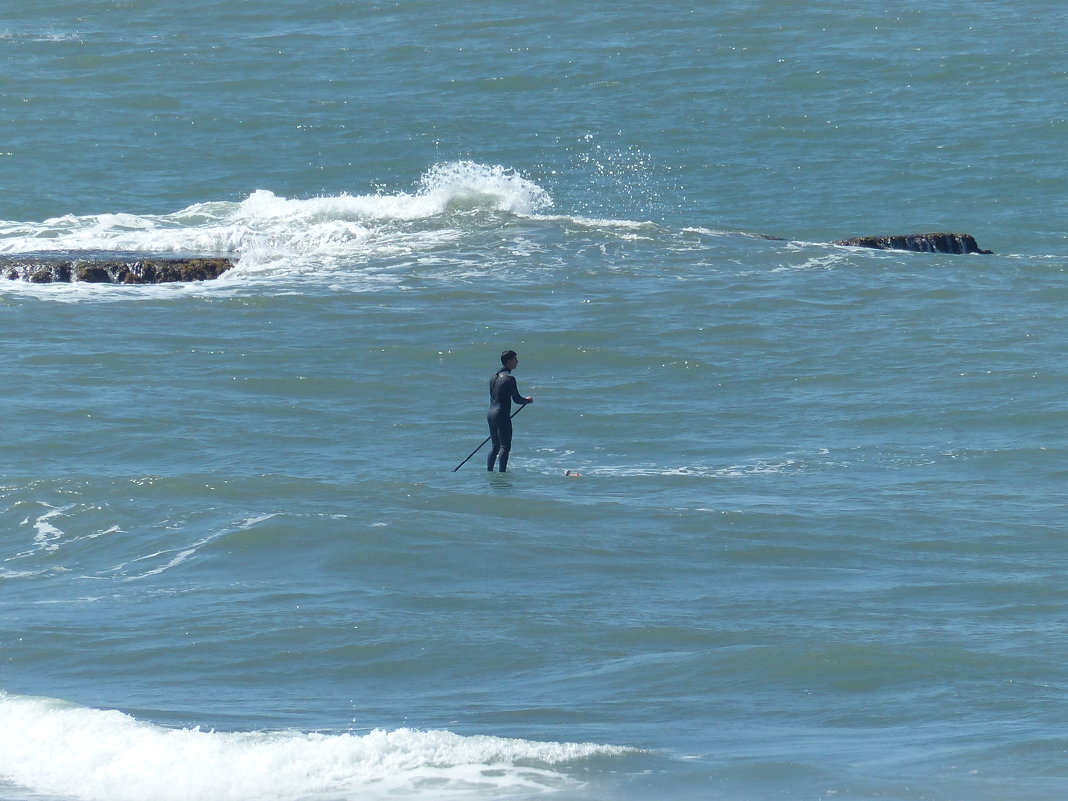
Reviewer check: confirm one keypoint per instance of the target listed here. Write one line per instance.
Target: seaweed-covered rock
(48, 273)
(111, 268)
(93, 274)
(926, 243)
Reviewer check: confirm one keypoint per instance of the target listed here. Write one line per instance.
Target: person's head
(509, 359)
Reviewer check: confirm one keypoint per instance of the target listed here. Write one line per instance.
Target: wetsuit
(502, 392)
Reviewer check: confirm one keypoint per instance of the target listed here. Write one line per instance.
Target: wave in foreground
(54, 747)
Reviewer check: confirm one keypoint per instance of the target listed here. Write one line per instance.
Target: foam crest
(266, 228)
(467, 184)
(49, 746)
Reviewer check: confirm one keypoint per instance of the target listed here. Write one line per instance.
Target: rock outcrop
(110, 268)
(119, 268)
(927, 243)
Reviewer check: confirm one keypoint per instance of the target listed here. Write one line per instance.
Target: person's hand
(530, 399)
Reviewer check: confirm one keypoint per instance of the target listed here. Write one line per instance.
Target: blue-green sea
(786, 521)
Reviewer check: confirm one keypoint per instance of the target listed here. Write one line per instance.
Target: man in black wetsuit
(502, 392)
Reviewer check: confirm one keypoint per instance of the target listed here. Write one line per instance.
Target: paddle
(487, 439)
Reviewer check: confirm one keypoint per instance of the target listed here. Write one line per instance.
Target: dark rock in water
(47, 273)
(110, 268)
(93, 274)
(926, 243)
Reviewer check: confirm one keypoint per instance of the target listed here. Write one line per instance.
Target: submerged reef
(110, 268)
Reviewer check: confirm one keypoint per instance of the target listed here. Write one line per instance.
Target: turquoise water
(815, 545)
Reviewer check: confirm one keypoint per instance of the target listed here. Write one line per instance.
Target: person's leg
(496, 438)
(504, 434)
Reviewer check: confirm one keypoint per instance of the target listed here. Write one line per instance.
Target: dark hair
(507, 356)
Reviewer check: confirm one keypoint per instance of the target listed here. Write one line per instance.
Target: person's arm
(516, 397)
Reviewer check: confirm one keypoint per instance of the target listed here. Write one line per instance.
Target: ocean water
(785, 521)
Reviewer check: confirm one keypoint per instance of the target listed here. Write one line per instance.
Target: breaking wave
(265, 230)
(54, 747)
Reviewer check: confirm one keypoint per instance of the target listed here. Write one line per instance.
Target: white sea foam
(266, 230)
(47, 534)
(346, 241)
(49, 746)
(758, 467)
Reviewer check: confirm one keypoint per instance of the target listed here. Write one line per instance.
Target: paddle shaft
(487, 439)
